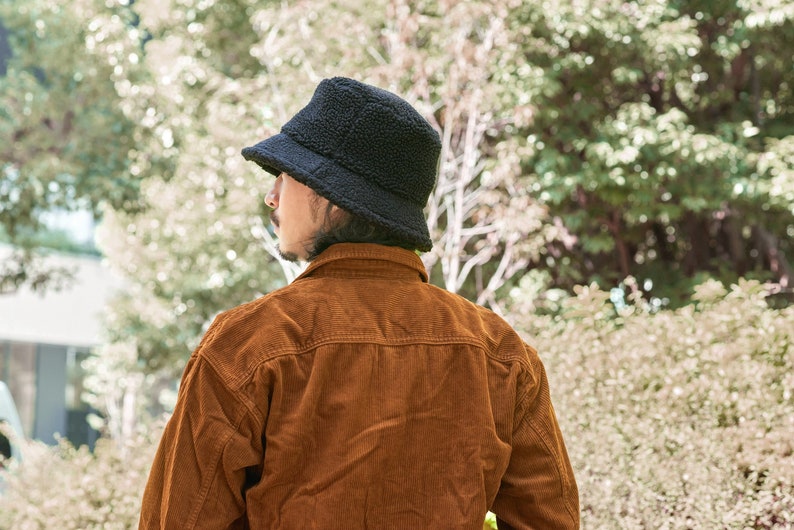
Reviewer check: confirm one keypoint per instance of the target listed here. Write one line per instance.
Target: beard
(287, 256)
(311, 245)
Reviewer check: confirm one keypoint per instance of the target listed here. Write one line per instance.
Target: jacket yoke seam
(436, 340)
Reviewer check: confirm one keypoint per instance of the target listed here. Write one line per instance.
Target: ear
(337, 214)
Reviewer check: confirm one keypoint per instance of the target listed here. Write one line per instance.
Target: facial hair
(287, 256)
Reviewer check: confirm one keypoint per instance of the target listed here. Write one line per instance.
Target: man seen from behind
(360, 395)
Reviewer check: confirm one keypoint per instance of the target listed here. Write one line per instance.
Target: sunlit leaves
(660, 114)
(89, 500)
(60, 110)
(673, 419)
(776, 168)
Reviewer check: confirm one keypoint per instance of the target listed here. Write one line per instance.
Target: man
(359, 396)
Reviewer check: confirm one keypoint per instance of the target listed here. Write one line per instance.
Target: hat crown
(372, 133)
(365, 150)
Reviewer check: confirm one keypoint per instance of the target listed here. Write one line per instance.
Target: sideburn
(332, 215)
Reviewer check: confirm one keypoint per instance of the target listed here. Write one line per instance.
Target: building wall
(46, 382)
(43, 340)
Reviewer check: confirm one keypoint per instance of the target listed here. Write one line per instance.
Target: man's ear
(338, 214)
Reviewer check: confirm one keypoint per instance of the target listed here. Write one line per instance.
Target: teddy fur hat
(364, 149)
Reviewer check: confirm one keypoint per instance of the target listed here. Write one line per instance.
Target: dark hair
(351, 228)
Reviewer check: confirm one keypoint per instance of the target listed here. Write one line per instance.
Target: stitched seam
(234, 388)
(205, 486)
(565, 485)
(563, 479)
(438, 340)
(364, 339)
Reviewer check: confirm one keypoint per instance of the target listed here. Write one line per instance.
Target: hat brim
(342, 187)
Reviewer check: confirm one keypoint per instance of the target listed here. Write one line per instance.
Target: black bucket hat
(365, 150)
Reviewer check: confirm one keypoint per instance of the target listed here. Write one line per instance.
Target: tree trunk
(733, 236)
(778, 264)
(698, 253)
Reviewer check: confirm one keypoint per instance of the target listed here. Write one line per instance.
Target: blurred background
(617, 181)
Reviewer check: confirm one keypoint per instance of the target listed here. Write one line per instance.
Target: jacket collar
(360, 260)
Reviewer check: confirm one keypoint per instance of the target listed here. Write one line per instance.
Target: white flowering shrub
(61, 487)
(675, 419)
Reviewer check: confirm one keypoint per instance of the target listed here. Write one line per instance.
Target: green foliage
(647, 139)
(673, 419)
(67, 142)
(54, 239)
(655, 144)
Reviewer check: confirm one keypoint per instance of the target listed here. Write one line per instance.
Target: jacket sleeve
(210, 451)
(538, 489)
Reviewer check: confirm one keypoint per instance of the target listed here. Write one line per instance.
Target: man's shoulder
(254, 308)
(462, 305)
(252, 332)
(292, 319)
(497, 336)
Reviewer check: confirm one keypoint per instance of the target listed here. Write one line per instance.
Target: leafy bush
(73, 489)
(675, 419)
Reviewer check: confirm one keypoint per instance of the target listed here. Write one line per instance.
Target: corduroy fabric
(362, 148)
(360, 396)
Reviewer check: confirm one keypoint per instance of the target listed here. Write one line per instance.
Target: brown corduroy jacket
(360, 396)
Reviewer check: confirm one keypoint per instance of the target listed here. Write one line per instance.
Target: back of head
(364, 149)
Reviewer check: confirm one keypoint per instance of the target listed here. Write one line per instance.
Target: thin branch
(481, 258)
(500, 276)
(479, 230)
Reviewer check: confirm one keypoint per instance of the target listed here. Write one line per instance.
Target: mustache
(274, 219)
